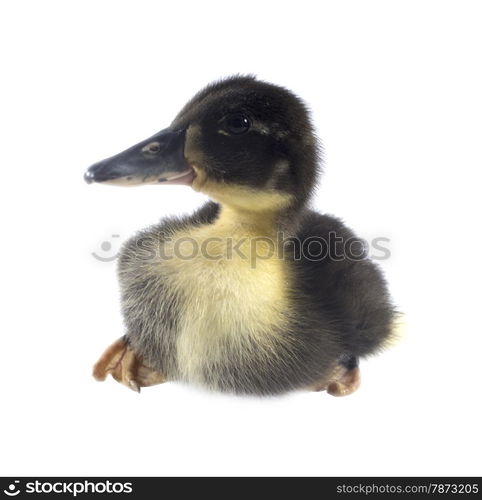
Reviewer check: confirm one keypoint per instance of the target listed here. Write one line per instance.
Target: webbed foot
(348, 383)
(344, 380)
(120, 361)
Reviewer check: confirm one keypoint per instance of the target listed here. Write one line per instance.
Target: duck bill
(157, 160)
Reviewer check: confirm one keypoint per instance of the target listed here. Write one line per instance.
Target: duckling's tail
(398, 330)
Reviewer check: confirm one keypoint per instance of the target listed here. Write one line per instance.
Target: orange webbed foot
(342, 382)
(120, 361)
(346, 384)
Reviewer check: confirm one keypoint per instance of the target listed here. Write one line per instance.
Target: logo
(12, 490)
(106, 247)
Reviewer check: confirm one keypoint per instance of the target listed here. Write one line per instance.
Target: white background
(395, 89)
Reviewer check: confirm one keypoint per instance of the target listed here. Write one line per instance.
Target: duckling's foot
(126, 367)
(344, 380)
(348, 383)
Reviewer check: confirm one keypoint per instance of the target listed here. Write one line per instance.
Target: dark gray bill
(159, 159)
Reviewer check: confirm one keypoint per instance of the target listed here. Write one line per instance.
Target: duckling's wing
(206, 214)
(348, 287)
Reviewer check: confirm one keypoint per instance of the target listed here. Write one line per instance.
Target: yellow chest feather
(231, 289)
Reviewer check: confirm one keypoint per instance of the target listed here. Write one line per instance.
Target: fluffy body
(281, 324)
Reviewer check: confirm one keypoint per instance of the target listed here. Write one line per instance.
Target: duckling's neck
(257, 211)
(233, 220)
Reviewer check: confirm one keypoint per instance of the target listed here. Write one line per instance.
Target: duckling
(235, 297)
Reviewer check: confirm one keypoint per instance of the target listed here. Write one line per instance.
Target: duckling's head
(245, 143)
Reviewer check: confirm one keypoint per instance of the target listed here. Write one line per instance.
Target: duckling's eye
(237, 124)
